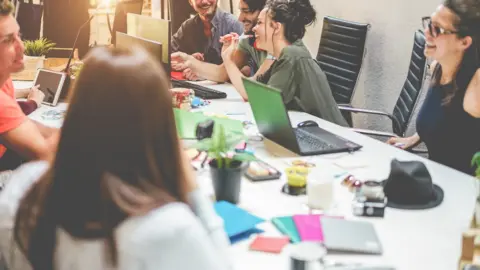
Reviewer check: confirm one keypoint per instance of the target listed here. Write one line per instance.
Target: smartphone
(261, 171)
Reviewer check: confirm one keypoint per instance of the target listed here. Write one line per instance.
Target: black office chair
(403, 110)
(29, 18)
(340, 55)
(180, 11)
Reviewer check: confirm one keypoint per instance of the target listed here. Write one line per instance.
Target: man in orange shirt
(21, 138)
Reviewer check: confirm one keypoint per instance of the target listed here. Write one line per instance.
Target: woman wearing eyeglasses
(449, 120)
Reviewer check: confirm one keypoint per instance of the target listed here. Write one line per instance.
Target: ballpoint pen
(243, 36)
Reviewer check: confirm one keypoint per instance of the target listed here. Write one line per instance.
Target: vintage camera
(370, 201)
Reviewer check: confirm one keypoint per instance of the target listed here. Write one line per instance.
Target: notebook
(350, 236)
(237, 221)
(287, 227)
(309, 227)
(186, 123)
(269, 244)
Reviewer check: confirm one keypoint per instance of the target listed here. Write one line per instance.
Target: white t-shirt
(173, 236)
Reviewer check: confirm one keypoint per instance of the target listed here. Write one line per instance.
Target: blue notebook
(238, 223)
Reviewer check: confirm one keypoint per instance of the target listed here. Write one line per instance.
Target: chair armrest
(374, 132)
(389, 135)
(418, 151)
(356, 110)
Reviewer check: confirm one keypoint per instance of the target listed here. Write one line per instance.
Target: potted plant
(476, 162)
(35, 51)
(226, 168)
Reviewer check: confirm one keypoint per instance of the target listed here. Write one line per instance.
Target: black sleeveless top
(451, 135)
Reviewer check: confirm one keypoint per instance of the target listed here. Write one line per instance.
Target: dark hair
(255, 5)
(118, 156)
(295, 15)
(6, 8)
(467, 23)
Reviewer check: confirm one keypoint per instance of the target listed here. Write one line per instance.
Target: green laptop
(273, 123)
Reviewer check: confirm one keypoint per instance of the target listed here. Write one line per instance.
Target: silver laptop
(341, 235)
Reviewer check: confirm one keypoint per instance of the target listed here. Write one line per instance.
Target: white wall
(389, 46)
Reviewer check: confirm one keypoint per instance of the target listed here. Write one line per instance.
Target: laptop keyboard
(311, 142)
(200, 91)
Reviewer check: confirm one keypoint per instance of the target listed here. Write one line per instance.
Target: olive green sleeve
(283, 78)
(244, 46)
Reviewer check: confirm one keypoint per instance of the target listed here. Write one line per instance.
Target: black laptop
(273, 122)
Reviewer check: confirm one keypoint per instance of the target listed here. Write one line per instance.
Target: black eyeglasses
(435, 30)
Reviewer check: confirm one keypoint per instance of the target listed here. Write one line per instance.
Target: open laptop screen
(270, 113)
(153, 47)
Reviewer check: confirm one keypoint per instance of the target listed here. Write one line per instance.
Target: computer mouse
(308, 123)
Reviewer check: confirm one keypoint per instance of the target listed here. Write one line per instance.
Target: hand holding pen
(229, 38)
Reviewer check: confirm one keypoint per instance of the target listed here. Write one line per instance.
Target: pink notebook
(309, 228)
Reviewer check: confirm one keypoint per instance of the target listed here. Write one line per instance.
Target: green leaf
(476, 159)
(38, 47)
(244, 157)
(204, 145)
(220, 144)
(221, 139)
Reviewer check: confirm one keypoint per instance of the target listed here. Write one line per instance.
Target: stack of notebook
(341, 235)
(300, 227)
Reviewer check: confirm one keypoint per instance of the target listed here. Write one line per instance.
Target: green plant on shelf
(39, 47)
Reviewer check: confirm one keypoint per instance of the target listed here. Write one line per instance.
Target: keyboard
(309, 142)
(200, 91)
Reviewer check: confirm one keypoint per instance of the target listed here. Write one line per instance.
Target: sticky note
(269, 244)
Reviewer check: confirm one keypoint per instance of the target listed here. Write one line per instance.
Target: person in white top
(120, 192)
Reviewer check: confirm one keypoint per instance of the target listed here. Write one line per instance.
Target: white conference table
(411, 240)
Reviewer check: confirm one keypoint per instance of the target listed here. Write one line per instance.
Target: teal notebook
(186, 123)
(287, 227)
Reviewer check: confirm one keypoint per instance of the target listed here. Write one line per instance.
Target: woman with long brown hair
(120, 193)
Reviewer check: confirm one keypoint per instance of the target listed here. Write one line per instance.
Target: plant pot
(227, 181)
(34, 62)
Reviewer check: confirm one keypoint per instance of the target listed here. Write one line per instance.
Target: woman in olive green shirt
(279, 31)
